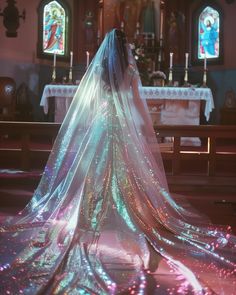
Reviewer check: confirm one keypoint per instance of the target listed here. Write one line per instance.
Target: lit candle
(87, 61)
(171, 60)
(54, 59)
(71, 59)
(205, 62)
(186, 60)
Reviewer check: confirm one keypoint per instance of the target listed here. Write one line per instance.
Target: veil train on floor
(102, 213)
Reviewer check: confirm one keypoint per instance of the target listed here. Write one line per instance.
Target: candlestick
(159, 60)
(186, 84)
(71, 59)
(53, 74)
(70, 81)
(153, 39)
(205, 62)
(137, 28)
(204, 82)
(98, 37)
(87, 60)
(54, 59)
(186, 60)
(161, 24)
(171, 60)
(122, 26)
(170, 78)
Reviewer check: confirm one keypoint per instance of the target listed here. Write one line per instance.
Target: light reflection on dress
(103, 200)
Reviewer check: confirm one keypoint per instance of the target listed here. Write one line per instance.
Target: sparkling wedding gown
(103, 203)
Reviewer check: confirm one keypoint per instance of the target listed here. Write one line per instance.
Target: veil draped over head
(103, 200)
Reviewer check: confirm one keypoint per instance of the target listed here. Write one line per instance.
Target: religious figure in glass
(54, 28)
(208, 33)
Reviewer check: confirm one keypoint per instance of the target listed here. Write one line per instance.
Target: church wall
(132, 13)
(18, 57)
(221, 78)
(23, 47)
(224, 77)
(109, 14)
(221, 81)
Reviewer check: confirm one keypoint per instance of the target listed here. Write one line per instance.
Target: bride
(102, 220)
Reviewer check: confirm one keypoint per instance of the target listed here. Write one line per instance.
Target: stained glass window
(208, 33)
(54, 28)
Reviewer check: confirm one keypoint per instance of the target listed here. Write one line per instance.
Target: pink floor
(17, 190)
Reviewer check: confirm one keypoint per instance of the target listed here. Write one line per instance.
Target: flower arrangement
(158, 75)
(144, 62)
(157, 78)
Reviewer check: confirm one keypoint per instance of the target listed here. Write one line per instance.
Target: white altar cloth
(167, 93)
(180, 93)
(63, 94)
(174, 105)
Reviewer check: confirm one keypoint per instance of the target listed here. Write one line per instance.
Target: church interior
(185, 53)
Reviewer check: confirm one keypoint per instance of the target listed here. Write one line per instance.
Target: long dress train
(103, 200)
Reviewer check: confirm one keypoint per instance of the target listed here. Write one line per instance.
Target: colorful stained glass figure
(208, 33)
(54, 22)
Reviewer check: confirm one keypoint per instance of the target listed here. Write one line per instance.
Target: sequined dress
(103, 203)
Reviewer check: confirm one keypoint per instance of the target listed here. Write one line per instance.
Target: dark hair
(122, 43)
(119, 52)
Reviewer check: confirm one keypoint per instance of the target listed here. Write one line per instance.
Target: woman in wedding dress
(102, 218)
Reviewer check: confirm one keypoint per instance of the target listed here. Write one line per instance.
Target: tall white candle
(71, 59)
(186, 60)
(161, 24)
(205, 62)
(87, 60)
(171, 60)
(54, 59)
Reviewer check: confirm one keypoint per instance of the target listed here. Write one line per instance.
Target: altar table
(167, 105)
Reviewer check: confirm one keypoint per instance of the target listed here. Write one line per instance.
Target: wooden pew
(26, 146)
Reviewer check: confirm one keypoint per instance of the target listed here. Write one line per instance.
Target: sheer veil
(103, 200)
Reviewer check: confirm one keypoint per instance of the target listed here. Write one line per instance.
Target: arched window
(53, 32)
(207, 39)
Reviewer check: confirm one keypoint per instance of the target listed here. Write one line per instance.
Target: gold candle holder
(204, 82)
(70, 81)
(170, 78)
(186, 84)
(53, 75)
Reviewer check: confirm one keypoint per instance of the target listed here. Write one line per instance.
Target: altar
(167, 105)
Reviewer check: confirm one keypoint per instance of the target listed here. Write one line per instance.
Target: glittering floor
(221, 208)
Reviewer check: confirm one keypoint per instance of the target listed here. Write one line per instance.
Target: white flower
(132, 46)
(158, 74)
(139, 51)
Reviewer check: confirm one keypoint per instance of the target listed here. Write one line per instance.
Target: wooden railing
(215, 160)
(26, 143)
